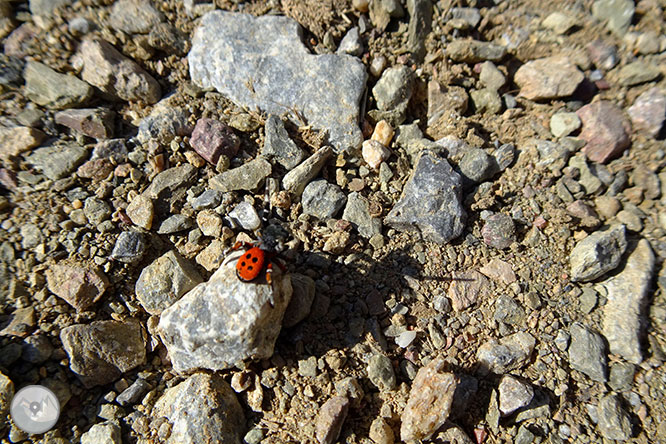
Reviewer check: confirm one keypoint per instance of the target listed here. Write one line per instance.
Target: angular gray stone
(477, 166)
(11, 71)
(242, 320)
(246, 216)
(587, 352)
(134, 16)
(357, 211)
(394, 88)
(474, 51)
(649, 111)
(431, 201)
(296, 180)
(165, 281)
(51, 89)
(614, 422)
(116, 75)
(380, 372)
(133, 393)
(618, 13)
(509, 353)
(101, 351)
(129, 247)
(513, 394)
(58, 161)
(36, 349)
(625, 316)
(163, 124)
(279, 146)
(261, 62)
(203, 409)
(246, 177)
(351, 43)
(598, 253)
(420, 25)
(112, 149)
(168, 181)
(322, 199)
(637, 72)
(174, 224)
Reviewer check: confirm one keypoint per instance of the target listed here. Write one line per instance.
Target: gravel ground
(464, 204)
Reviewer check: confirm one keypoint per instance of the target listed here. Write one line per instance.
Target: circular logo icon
(35, 409)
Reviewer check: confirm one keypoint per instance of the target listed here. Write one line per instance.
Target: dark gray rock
(208, 199)
(129, 247)
(420, 24)
(165, 281)
(322, 199)
(587, 352)
(625, 315)
(203, 409)
(621, 375)
(11, 71)
(58, 161)
(499, 231)
(598, 253)
(243, 320)
(272, 70)
(431, 201)
(476, 166)
(504, 156)
(36, 349)
(357, 211)
(279, 146)
(132, 394)
(102, 351)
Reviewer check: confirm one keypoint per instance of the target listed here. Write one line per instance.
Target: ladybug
(254, 261)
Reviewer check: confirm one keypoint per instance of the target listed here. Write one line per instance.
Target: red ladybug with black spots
(254, 261)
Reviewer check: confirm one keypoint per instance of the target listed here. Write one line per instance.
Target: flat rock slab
(57, 161)
(598, 253)
(548, 78)
(628, 293)
(224, 321)
(101, 351)
(605, 129)
(51, 89)
(431, 202)
(261, 62)
(587, 352)
(202, 409)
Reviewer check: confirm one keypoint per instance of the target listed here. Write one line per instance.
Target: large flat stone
(261, 62)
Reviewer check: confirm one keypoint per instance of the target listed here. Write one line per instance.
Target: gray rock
(587, 178)
(45, 8)
(380, 372)
(322, 199)
(559, 22)
(115, 74)
(509, 311)
(537, 408)
(468, 17)
(324, 89)
(134, 16)
(103, 433)
(431, 201)
(552, 155)
(169, 39)
(492, 77)
(617, 13)
(499, 231)
(513, 394)
(598, 253)
(208, 199)
(420, 25)
(96, 210)
(301, 300)
(330, 419)
(246, 177)
(357, 211)
(36, 349)
(394, 88)
(6, 393)
(296, 180)
(165, 281)
(486, 101)
(243, 320)
(476, 166)
(174, 224)
(129, 247)
(637, 72)
(203, 409)
(101, 351)
(430, 401)
(474, 51)
(524, 436)
(351, 43)
(51, 89)
(504, 156)
(621, 375)
(625, 315)
(58, 161)
(614, 421)
(112, 149)
(31, 236)
(246, 216)
(169, 181)
(279, 146)
(509, 353)
(587, 352)
(11, 71)
(133, 393)
(563, 123)
(163, 124)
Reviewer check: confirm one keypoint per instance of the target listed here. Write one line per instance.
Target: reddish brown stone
(19, 40)
(97, 169)
(78, 285)
(95, 122)
(605, 129)
(212, 138)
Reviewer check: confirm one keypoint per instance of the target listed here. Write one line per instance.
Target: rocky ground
(468, 198)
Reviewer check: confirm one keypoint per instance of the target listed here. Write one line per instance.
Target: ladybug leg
(237, 246)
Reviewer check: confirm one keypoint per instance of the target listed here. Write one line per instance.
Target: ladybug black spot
(248, 256)
(254, 260)
(249, 268)
(243, 264)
